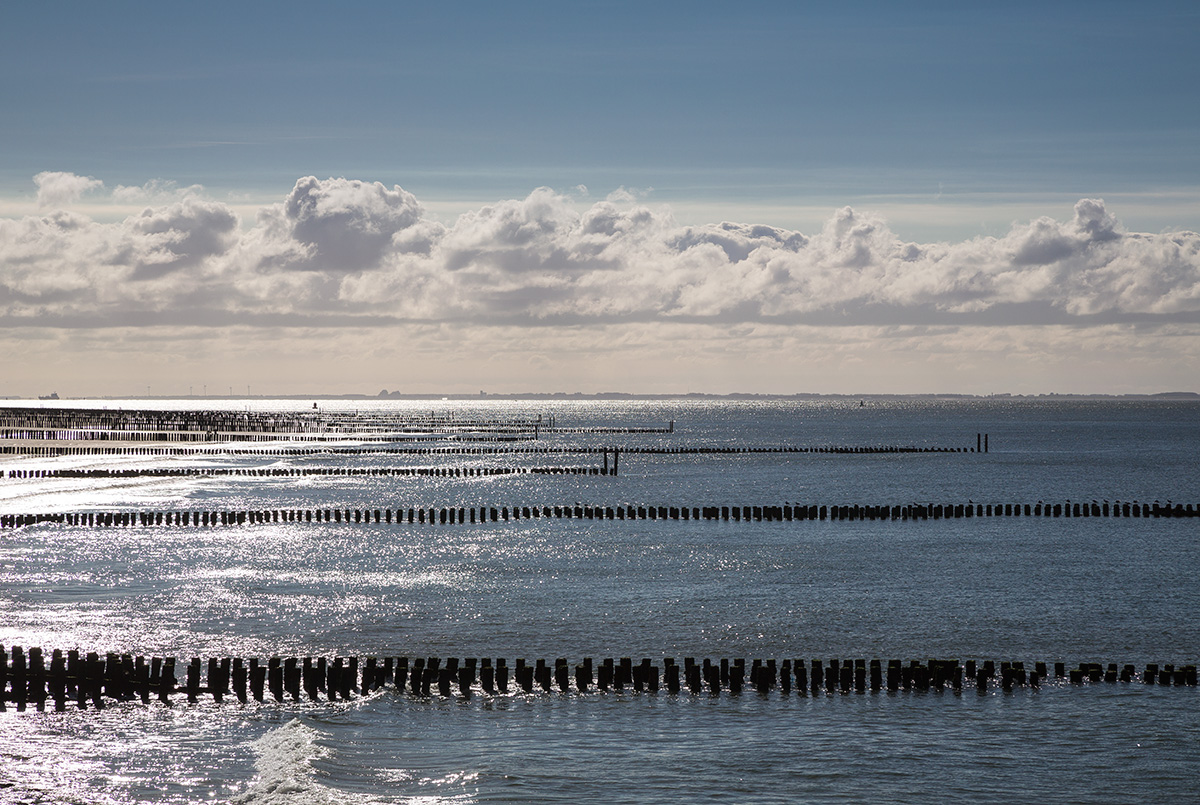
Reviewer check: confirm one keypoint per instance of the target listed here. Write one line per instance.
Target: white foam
(286, 775)
(285, 770)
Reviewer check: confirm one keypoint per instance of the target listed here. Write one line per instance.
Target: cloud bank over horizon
(341, 257)
(339, 251)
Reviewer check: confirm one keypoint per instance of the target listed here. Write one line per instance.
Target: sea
(1027, 589)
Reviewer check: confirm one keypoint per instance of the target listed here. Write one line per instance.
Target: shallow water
(1053, 589)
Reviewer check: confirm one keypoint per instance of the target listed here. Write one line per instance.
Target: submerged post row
(85, 679)
(450, 515)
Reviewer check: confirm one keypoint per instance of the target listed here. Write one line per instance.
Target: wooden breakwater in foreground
(88, 679)
(452, 515)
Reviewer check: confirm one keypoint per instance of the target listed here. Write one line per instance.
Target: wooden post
(57, 681)
(193, 680)
(737, 674)
(501, 675)
(604, 675)
(215, 686)
(239, 680)
(712, 675)
(141, 676)
(413, 679)
(166, 681)
(348, 677)
(275, 678)
(466, 675)
(291, 678)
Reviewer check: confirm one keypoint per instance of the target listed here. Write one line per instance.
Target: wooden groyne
(300, 472)
(85, 438)
(552, 428)
(90, 424)
(456, 447)
(451, 515)
(31, 677)
(66, 420)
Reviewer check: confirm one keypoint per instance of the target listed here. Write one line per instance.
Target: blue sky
(791, 103)
(949, 122)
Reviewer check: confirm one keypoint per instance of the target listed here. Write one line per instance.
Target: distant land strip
(553, 396)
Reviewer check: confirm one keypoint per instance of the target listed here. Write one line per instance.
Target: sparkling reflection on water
(1030, 589)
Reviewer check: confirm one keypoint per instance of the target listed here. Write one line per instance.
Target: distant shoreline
(615, 395)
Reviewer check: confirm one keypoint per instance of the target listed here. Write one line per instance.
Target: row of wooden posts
(281, 422)
(490, 434)
(670, 428)
(298, 472)
(449, 515)
(89, 679)
(88, 446)
(412, 435)
(233, 432)
(78, 423)
(453, 447)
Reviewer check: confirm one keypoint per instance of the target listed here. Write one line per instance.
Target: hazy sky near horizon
(664, 197)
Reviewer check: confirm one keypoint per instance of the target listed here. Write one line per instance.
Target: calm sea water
(1072, 590)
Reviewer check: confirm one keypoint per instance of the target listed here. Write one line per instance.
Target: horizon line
(609, 395)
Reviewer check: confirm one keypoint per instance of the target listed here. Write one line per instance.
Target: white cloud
(348, 223)
(628, 195)
(59, 188)
(157, 191)
(183, 235)
(335, 251)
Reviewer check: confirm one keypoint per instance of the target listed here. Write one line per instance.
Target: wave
(285, 757)
(287, 775)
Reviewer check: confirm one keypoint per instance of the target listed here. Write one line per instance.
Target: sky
(772, 197)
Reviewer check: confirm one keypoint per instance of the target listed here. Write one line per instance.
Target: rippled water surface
(1052, 589)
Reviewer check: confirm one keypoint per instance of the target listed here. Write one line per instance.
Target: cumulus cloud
(58, 188)
(337, 250)
(347, 224)
(183, 235)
